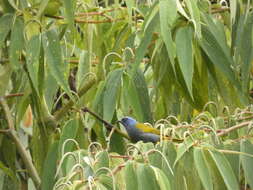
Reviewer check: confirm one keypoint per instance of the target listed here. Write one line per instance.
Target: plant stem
(21, 149)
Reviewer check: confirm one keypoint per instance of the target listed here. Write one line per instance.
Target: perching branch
(107, 124)
(21, 149)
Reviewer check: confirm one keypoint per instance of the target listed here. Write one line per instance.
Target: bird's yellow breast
(147, 129)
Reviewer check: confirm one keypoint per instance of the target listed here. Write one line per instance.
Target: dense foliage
(66, 67)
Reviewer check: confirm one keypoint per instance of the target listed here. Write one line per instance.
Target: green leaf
(146, 177)
(185, 55)
(112, 85)
(52, 48)
(83, 68)
(106, 181)
(102, 160)
(162, 179)
(5, 27)
(247, 162)
(32, 59)
(149, 28)
(49, 169)
(215, 46)
(183, 147)
(168, 13)
(16, 43)
(202, 168)
(139, 86)
(69, 132)
(244, 48)
(130, 176)
(225, 170)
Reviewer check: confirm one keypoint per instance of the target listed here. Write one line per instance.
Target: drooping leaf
(110, 93)
(225, 170)
(139, 86)
(54, 59)
(16, 43)
(49, 169)
(185, 55)
(146, 177)
(168, 12)
(83, 68)
(32, 59)
(202, 168)
(5, 27)
(162, 179)
(247, 162)
(130, 176)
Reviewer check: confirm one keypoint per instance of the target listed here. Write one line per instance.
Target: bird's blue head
(128, 122)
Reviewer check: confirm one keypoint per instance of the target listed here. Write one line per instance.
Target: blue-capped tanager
(139, 131)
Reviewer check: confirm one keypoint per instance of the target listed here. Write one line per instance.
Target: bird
(139, 131)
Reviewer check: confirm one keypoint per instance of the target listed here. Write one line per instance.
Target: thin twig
(88, 21)
(235, 127)
(21, 149)
(14, 95)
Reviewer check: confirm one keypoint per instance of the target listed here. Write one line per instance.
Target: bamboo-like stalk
(21, 149)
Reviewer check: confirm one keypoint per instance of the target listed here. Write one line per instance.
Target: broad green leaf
(141, 90)
(107, 182)
(97, 107)
(183, 148)
(168, 12)
(83, 68)
(214, 45)
(32, 59)
(142, 48)
(49, 169)
(185, 55)
(16, 43)
(5, 27)
(245, 50)
(69, 132)
(202, 168)
(130, 176)
(247, 162)
(101, 160)
(146, 177)
(162, 179)
(225, 170)
(112, 85)
(52, 48)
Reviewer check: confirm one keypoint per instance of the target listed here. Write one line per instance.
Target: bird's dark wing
(149, 137)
